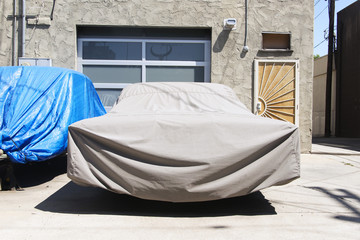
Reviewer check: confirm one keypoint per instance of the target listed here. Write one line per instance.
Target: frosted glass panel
(108, 96)
(174, 74)
(112, 50)
(113, 74)
(175, 51)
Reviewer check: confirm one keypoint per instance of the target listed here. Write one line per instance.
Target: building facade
(260, 48)
(319, 97)
(348, 72)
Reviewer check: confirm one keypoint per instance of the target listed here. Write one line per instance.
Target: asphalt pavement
(324, 203)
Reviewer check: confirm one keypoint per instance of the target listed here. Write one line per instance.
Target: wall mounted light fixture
(229, 24)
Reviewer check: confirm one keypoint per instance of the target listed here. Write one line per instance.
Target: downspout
(52, 11)
(246, 48)
(14, 34)
(23, 25)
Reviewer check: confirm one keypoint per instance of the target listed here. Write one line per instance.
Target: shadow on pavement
(75, 199)
(344, 143)
(348, 199)
(36, 173)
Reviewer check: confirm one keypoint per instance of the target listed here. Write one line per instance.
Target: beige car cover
(182, 142)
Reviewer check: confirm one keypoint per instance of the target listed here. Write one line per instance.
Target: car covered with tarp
(182, 142)
(37, 104)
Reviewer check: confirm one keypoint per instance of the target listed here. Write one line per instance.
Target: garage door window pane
(108, 96)
(175, 51)
(174, 74)
(112, 50)
(113, 74)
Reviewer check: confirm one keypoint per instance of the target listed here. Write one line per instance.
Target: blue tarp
(37, 104)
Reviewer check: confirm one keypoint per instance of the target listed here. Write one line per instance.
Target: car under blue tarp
(37, 104)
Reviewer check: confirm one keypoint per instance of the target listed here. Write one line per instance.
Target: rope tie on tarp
(17, 147)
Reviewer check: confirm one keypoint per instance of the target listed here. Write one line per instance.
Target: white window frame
(143, 62)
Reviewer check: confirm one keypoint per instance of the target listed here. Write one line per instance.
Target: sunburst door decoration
(276, 90)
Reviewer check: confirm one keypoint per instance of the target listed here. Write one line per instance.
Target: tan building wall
(57, 38)
(319, 97)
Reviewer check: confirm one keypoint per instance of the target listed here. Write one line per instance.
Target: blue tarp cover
(37, 104)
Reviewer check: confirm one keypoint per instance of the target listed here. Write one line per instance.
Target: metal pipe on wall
(23, 25)
(14, 34)
(245, 48)
(246, 23)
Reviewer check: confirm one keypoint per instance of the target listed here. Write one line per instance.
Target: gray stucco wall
(228, 64)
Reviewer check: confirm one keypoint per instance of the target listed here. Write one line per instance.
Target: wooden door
(276, 89)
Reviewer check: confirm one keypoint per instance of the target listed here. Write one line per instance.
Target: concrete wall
(319, 97)
(228, 64)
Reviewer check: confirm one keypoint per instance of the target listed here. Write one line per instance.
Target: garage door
(276, 89)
